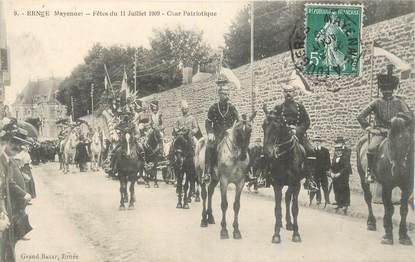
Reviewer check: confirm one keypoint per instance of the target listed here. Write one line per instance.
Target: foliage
(157, 69)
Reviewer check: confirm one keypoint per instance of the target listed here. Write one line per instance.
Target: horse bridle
(278, 145)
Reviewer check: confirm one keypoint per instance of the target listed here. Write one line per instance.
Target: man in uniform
(221, 116)
(13, 195)
(295, 116)
(384, 109)
(187, 124)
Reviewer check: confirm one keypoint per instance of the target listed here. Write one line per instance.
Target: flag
(402, 66)
(124, 84)
(298, 81)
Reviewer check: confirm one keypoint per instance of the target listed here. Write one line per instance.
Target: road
(77, 214)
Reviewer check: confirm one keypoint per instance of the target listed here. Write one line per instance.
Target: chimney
(187, 75)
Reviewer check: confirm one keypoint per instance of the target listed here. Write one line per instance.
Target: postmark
(333, 39)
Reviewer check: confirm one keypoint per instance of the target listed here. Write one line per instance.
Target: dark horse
(393, 169)
(233, 164)
(286, 157)
(129, 160)
(153, 153)
(183, 166)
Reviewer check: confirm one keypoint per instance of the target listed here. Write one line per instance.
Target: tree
(176, 48)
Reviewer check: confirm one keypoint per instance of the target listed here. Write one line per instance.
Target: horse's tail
(359, 147)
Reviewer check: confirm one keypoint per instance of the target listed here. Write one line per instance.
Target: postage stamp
(333, 37)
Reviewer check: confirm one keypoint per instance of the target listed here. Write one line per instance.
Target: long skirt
(342, 190)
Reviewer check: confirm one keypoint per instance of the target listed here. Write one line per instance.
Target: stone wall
(332, 113)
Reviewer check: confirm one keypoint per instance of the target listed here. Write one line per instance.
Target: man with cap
(321, 171)
(221, 116)
(13, 195)
(384, 109)
(186, 124)
(341, 169)
(295, 116)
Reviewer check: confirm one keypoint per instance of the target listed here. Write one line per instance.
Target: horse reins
(277, 146)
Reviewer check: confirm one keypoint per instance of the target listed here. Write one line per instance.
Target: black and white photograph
(206, 130)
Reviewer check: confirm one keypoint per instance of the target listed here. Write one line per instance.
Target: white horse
(96, 148)
(69, 150)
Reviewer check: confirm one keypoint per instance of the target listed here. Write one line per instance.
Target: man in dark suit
(341, 169)
(13, 195)
(322, 168)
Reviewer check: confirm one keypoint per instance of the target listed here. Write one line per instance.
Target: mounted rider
(295, 116)
(384, 109)
(221, 116)
(187, 125)
(156, 121)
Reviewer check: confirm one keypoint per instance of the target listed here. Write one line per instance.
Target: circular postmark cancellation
(332, 39)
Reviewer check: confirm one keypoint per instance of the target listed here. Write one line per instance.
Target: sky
(41, 47)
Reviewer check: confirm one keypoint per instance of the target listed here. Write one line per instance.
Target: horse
(153, 152)
(392, 169)
(232, 167)
(69, 150)
(96, 148)
(183, 166)
(129, 161)
(285, 157)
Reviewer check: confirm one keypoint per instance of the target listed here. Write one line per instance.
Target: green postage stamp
(333, 34)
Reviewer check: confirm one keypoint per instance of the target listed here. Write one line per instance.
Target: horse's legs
(371, 220)
(224, 206)
(404, 239)
(197, 198)
(288, 197)
(179, 188)
(133, 179)
(295, 192)
(147, 178)
(387, 218)
(236, 208)
(123, 190)
(278, 213)
(204, 222)
(211, 190)
(154, 175)
(186, 193)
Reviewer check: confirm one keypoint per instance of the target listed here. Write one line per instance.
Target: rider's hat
(287, 87)
(339, 142)
(388, 81)
(154, 103)
(225, 77)
(184, 104)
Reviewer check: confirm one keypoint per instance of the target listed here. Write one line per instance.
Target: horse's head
(275, 132)
(242, 133)
(180, 148)
(128, 143)
(399, 137)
